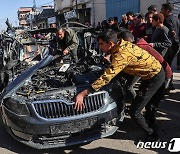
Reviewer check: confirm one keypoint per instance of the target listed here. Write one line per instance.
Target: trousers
(147, 97)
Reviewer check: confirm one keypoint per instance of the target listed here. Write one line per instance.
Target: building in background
(41, 17)
(116, 8)
(176, 4)
(23, 16)
(84, 11)
(93, 11)
(52, 22)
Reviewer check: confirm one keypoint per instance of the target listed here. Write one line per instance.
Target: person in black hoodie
(173, 24)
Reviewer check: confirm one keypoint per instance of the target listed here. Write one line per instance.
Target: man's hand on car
(79, 104)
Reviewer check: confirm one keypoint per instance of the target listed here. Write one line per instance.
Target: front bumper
(36, 132)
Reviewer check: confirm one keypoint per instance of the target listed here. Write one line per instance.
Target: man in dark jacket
(173, 24)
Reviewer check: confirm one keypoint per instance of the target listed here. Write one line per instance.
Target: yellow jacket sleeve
(119, 61)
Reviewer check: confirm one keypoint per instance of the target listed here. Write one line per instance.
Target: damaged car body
(37, 107)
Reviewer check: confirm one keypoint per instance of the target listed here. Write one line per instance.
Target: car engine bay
(58, 76)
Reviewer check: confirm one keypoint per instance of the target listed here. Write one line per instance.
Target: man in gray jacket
(67, 42)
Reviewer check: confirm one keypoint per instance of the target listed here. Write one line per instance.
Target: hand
(172, 34)
(108, 57)
(79, 105)
(65, 52)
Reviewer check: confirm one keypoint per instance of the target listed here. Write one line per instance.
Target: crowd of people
(142, 47)
(159, 29)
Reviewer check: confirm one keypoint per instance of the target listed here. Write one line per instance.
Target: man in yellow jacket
(132, 60)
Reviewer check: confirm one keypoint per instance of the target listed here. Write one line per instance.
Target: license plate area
(74, 126)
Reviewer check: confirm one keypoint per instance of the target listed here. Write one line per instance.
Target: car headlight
(16, 106)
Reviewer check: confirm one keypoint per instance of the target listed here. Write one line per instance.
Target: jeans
(147, 97)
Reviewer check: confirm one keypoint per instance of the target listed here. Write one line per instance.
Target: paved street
(123, 140)
(50, 51)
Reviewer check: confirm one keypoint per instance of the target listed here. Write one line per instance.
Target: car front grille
(57, 108)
